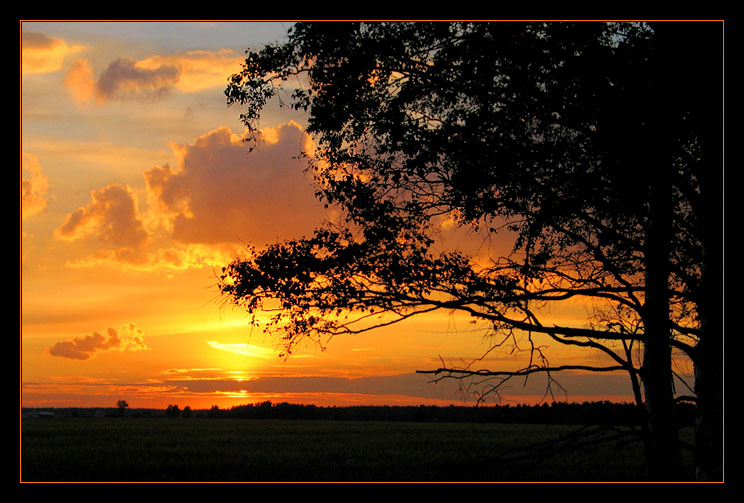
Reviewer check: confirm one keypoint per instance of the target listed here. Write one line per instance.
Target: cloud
(420, 386)
(127, 338)
(34, 187)
(43, 54)
(123, 79)
(244, 349)
(111, 216)
(167, 261)
(220, 192)
(199, 69)
(152, 78)
(219, 196)
(80, 82)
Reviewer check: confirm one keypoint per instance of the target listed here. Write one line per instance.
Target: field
(224, 450)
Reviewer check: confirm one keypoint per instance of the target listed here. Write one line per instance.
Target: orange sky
(136, 189)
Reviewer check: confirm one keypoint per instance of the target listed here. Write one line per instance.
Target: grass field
(224, 450)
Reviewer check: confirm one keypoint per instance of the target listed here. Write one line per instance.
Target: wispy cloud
(199, 70)
(164, 261)
(243, 349)
(43, 54)
(411, 385)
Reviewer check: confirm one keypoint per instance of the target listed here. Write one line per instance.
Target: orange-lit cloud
(123, 79)
(166, 261)
(243, 349)
(127, 338)
(412, 386)
(220, 192)
(80, 81)
(199, 70)
(220, 195)
(111, 216)
(34, 187)
(43, 54)
(152, 78)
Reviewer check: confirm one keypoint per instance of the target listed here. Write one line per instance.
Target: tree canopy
(594, 147)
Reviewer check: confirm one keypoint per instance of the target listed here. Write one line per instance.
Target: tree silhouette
(595, 147)
(172, 411)
(121, 406)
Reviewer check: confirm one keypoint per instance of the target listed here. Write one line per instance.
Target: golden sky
(136, 188)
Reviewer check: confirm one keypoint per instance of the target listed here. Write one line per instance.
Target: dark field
(214, 450)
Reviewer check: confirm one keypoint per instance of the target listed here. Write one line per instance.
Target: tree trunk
(663, 457)
(709, 350)
(690, 62)
(693, 54)
(664, 460)
(709, 390)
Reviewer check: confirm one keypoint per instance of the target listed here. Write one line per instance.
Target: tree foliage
(172, 411)
(592, 145)
(121, 406)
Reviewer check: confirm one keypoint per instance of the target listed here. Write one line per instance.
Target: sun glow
(243, 349)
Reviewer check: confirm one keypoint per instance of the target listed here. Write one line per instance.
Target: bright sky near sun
(136, 189)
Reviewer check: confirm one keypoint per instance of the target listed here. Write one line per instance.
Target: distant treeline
(586, 413)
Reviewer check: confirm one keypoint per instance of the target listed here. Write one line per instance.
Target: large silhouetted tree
(596, 147)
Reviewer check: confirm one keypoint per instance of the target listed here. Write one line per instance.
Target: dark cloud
(124, 80)
(412, 385)
(35, 40)
(128, 337)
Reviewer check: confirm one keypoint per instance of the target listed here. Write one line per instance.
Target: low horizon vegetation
(602, 412)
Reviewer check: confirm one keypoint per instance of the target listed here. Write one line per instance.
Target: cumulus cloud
(34, 187)
(220, 192)
(111, 216)
(43, 54)
(127, 338)
(218, 196)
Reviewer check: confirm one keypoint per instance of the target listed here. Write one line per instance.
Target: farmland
(152, 449)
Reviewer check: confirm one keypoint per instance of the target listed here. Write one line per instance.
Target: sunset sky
(136, 189)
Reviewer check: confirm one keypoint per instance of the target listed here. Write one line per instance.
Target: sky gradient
(136, 188)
